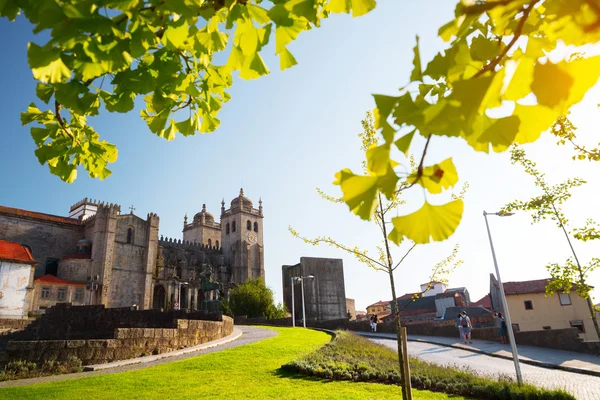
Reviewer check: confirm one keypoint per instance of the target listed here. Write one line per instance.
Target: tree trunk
(404, 379)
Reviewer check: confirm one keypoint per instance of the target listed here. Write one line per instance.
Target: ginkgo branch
(404, 256)
(61, 121)
(492, 64)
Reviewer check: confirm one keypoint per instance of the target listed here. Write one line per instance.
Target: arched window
(217, 245)
(209, 243)
(256, 227)
(249, 225)
(233, 226)
(130, 235)
(227, 229)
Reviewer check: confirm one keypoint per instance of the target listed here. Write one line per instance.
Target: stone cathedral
(123, 261)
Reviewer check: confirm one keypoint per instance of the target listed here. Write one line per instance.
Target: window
(130, 235)
(217, 243)
(528, 305)
(579, 325)
(565, 299)
(61, 294)
(227, 229)
(79, 294)
(209, 243)
(233, 226)
(516, 327)
(256, 227)
(546, 328)
(45, 293)
(249, 225)
(51, 266)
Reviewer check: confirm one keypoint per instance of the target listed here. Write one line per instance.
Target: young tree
(384, 260)
(548, 205)
(254, 299)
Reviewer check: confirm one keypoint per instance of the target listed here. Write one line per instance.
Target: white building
(16, 280)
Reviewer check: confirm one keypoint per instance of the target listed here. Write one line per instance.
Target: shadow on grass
(283, 373)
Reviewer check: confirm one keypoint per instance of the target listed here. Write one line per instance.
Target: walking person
(465, 322)
(460, 328)
(503, 330)
(374, 322)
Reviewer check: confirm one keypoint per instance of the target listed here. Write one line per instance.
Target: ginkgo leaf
(551, 84)
(359, 192)
(358, 7)
(436, 178)
(416, 74)
(286, 60)
(46, 64)
(403, 144)
(520, 83)
(586, 73)
(378, 159)
(501, 133)
(175, 36)
(429, 223)
(534, 121)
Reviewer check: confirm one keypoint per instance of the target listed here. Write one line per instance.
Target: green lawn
(246, 372)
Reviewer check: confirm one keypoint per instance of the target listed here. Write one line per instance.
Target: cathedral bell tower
(242, 238)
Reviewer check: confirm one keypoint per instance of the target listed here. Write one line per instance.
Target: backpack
(463, 321)
(503, 324)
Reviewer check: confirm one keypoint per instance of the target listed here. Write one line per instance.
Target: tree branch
(517, 34)
(403, 257)
(61, 122)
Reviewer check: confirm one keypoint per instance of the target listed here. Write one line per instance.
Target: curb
(235, 334)
(523, 361)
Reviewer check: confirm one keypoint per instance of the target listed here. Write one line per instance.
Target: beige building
(49, 290)
(531, 310)
(381, 308)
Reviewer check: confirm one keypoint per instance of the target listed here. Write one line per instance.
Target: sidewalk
(539, 356)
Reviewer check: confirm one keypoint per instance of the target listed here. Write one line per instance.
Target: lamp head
(310, 277)
(505, 214)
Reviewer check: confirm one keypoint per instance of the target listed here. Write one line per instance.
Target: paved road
(249, 335)
(583, 387)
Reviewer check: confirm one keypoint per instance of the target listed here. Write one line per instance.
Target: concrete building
(325, 295)
(121, 260)
(16, 277)
(531, 310)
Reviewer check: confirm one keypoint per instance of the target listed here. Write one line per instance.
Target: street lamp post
(293, 281)
(303, 306)
(511, 336)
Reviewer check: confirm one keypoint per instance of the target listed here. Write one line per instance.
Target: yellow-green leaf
(286, 60)
(551, 84)
(46, 64)
(417, 73)
(403, 144)
(436, 178)
(175, 36)
(520, 83)
(378, 159)
(501, 133)
(429, 223)
(534, 121)
(359, 192)
(358, 7)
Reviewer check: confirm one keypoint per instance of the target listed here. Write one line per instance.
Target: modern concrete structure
(325, 295)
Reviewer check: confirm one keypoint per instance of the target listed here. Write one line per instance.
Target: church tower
(202, 230)
(242, 238)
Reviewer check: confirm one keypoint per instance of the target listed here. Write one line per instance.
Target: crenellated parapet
(184, 244)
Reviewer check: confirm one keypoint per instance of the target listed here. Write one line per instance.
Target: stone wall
(16, 324)
(126, 343)
(46, 239)
(64, 322)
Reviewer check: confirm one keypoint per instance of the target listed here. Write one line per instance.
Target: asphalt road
(583, 387)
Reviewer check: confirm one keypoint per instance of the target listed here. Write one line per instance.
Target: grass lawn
(245, 372)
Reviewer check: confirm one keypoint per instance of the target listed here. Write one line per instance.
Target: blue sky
(286, 134)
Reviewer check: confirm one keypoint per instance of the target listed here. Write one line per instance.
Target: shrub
(351, 357)
(27, 369)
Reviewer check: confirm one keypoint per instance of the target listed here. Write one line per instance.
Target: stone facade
(324, 295)
(122, 261)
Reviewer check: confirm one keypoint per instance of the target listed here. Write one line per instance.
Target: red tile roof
(55, 279)
(36, 215)
(525, 287)
(485, 301)
(406, 296)
(380, 303)
(14, 252)
(78, 256)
